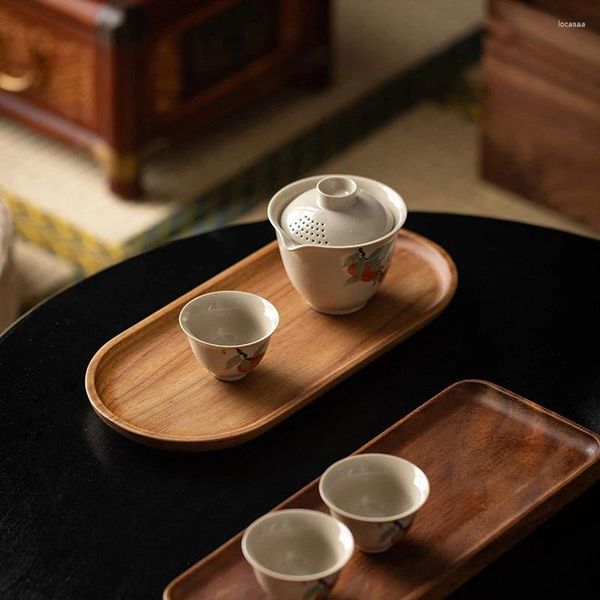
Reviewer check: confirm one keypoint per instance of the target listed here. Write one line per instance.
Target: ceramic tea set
(229, 331)
(336, 236)
(298, 554)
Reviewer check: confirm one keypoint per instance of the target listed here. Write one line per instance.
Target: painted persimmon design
(243, 361)
(365, 268)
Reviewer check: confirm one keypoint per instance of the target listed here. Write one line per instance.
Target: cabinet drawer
(48, 65)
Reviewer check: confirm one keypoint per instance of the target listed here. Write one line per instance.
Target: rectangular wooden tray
(498, 465)
(146, 384)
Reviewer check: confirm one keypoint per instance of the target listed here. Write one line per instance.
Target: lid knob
(336, 193)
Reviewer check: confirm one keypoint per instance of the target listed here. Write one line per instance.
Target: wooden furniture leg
(124, 175)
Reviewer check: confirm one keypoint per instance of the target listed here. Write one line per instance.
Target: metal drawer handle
(21, 83)
(16, 85)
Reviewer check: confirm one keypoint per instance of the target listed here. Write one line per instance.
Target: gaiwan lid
(336, 213)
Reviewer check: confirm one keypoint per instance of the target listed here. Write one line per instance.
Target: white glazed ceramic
(229, 331)
(297, 554)
(336, 279)
(336, 212)
(376, 495)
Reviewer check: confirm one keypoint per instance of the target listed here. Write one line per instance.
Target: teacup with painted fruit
(229, 331)
(376, 495)
(297, 554)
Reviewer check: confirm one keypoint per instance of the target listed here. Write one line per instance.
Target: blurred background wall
(125, 124)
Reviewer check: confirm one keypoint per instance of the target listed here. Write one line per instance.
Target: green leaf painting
(351, 259)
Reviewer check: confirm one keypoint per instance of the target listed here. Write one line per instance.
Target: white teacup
(229, 331)
(376, 496)
(297, 554)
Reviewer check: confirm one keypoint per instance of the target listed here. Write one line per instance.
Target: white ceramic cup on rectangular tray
(376, 495)
(297, 554)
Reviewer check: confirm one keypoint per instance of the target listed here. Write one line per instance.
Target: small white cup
(297, 554)
(376, 496)
(229, 331)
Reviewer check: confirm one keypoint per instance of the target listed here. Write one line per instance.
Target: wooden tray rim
(247, 432)
(496, 533)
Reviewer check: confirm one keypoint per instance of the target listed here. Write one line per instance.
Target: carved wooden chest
(117, 76)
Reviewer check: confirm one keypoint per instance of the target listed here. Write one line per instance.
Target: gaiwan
(336, 235)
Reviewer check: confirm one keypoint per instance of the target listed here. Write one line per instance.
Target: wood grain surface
(498, 465)
(540, 127)
(146, 384)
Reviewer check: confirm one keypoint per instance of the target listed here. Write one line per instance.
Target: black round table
(85, 513)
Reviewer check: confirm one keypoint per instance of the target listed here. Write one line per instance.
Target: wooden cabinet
(541, 116)
(116, 76)
(49, 65)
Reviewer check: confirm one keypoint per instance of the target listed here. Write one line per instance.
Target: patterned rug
(388, 56)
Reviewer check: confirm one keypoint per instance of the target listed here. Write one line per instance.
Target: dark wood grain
(541, 113)
(587, 11)
(498, 465)
(147, 385)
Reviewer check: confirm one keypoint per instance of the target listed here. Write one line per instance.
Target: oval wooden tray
(146, 384)
(498, 465)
